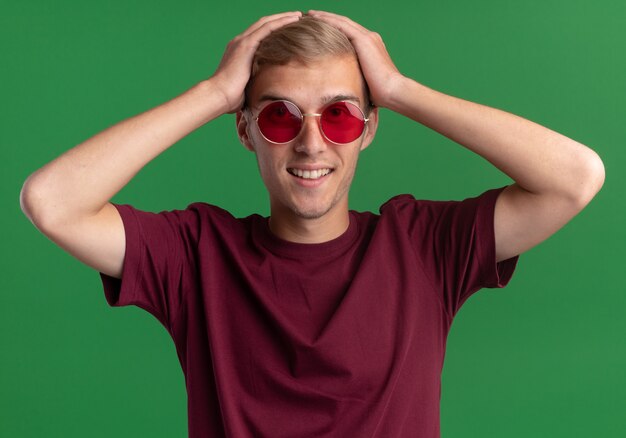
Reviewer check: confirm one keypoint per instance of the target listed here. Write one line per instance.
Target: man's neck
(301, 230)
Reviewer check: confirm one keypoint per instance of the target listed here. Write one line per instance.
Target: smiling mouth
(309, 174)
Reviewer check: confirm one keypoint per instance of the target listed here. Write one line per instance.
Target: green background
(544, 357)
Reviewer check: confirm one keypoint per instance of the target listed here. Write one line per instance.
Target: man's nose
(311, 140)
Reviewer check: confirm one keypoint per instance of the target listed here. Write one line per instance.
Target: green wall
(544, 357)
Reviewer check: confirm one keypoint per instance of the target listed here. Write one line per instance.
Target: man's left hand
(382, 77)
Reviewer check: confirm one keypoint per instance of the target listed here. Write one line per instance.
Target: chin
(310, 207)
(313, 209)
(310, 213)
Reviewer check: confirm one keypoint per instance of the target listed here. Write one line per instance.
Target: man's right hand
(233, 72)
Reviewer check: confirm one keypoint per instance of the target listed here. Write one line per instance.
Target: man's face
(311, 87)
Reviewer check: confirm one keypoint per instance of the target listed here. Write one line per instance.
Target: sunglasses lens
(280, 122)
(342, 122)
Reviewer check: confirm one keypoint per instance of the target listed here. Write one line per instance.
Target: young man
(316, 321)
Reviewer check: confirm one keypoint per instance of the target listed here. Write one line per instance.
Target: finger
(264, 20)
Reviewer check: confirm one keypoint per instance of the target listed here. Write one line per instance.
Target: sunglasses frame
(319, 123)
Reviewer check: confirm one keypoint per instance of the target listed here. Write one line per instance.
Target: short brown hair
(305, 40)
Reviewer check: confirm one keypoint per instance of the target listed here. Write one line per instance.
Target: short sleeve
(454, 242)
(156, 263)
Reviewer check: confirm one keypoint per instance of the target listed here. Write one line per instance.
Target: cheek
(268, 165)
(263, 166)
(352, 159)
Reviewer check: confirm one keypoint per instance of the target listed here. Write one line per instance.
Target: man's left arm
(555, 176)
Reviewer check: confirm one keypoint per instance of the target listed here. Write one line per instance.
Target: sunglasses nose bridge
(311, 138)
(316, 122)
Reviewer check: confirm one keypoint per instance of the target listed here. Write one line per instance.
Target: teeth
(309, 174)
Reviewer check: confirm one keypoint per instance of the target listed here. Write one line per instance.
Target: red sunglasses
(281, 121)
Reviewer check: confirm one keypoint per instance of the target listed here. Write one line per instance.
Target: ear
(242, 130)
(370, 127)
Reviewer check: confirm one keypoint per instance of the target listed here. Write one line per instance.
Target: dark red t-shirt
(338, 339)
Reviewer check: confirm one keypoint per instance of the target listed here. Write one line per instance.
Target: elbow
(590, 180)
(33, 202)
(29, 199)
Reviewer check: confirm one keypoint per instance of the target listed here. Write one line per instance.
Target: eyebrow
(325, 99)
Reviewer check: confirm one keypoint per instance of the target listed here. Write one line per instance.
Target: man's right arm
(68, 198)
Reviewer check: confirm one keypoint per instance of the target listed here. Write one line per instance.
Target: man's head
(304, 41)
(312, 65)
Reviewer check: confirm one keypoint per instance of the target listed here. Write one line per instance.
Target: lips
(309, 173)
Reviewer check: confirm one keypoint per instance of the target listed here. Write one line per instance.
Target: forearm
(538, 159)
(82, 180)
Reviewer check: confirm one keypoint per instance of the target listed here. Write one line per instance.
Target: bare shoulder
(523, 219)
(97, 240)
